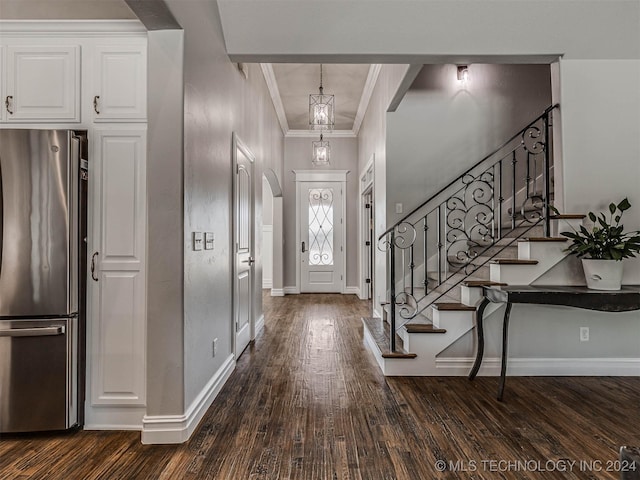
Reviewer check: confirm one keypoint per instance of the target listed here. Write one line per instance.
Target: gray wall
(441, 128)
(372, 143)
(165, 246)
(218, 100)
(297, 156)
(428, 31)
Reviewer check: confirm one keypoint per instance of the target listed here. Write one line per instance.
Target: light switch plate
(208, 240)
(198, 241)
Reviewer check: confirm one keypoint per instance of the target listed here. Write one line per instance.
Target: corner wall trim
(291, 290)
(352, 291)
(277, 292)
(165, 429)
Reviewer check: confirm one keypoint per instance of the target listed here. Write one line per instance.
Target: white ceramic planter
(602, 274)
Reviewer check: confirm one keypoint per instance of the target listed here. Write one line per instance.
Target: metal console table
(625, 300)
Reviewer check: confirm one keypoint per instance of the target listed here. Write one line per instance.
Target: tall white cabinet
(92, 76)
(118, 268)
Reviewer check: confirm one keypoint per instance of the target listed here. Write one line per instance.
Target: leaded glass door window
(320, 226)
(321, 234)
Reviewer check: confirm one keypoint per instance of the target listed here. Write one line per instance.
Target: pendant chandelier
(321, 152)
(321, 115)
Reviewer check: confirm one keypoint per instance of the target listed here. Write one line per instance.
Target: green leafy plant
(607, 239)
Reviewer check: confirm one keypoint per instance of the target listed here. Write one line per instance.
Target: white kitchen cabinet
(117, 332)
(120, 83)
(42, 83)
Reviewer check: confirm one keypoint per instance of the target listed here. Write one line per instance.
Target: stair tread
(543, 239)
(423, 328)
(513, 261)
(446, 306)
(380, 334)
(568, 216)
(483, 283)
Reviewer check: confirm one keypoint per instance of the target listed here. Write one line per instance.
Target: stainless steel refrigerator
(42, 289)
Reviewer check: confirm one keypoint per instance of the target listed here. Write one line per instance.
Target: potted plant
(603, 248)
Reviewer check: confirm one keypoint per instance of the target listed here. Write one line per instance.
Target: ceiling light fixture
(321, 116)
(463, 73)
(321, 152)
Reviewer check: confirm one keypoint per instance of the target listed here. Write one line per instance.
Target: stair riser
(564, 225)
(470, 295)
(547, 255)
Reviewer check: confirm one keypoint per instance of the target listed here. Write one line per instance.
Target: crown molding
(274, 91)
(367, 92)
(84, 28)
(325, 134)
(272, 85)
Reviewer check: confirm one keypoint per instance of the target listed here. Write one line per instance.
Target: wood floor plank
(307, 401)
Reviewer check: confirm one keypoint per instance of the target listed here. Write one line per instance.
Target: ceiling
(295, 81)
(290, 85)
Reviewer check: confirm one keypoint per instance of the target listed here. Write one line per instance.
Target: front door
(243, 234)
(321, 224)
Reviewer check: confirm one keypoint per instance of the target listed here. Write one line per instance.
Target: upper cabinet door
(43, 84)
(120, 83)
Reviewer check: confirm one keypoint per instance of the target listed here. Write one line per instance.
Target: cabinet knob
(7, 103)
(95, 104)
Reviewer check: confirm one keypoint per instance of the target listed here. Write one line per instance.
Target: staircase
(491, 225)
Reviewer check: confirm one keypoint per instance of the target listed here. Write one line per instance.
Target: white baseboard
(259, 326)
(352, 291)
(377, 312)
(114, 418)
(277, 292)
(291, 290)
(267, 283)
(164, 429)
(541, 367)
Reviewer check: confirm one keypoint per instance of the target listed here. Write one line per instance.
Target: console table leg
(505, 339)
(480, 335)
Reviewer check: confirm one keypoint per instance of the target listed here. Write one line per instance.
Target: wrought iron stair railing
(489, 206)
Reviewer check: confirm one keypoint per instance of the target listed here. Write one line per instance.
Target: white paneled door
(321, 227)
(243, 242)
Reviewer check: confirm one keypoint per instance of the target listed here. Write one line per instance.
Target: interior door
(321, 224)
(243, 247)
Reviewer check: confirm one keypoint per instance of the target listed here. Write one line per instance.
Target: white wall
(442, 127)
(297, 156)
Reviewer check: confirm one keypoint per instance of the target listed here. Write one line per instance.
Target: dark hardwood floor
(307, 401)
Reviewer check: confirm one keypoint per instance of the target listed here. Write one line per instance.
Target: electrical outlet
(214, 348)
(584, 334)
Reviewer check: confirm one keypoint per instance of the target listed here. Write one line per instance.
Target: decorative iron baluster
(392, 295)
(500, 199)
(411, 270)
(546, 173)
(439, 235)
(514, 162)
(426, 257)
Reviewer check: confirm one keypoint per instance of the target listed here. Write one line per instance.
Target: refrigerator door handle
(33, 332)
(93, 267)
